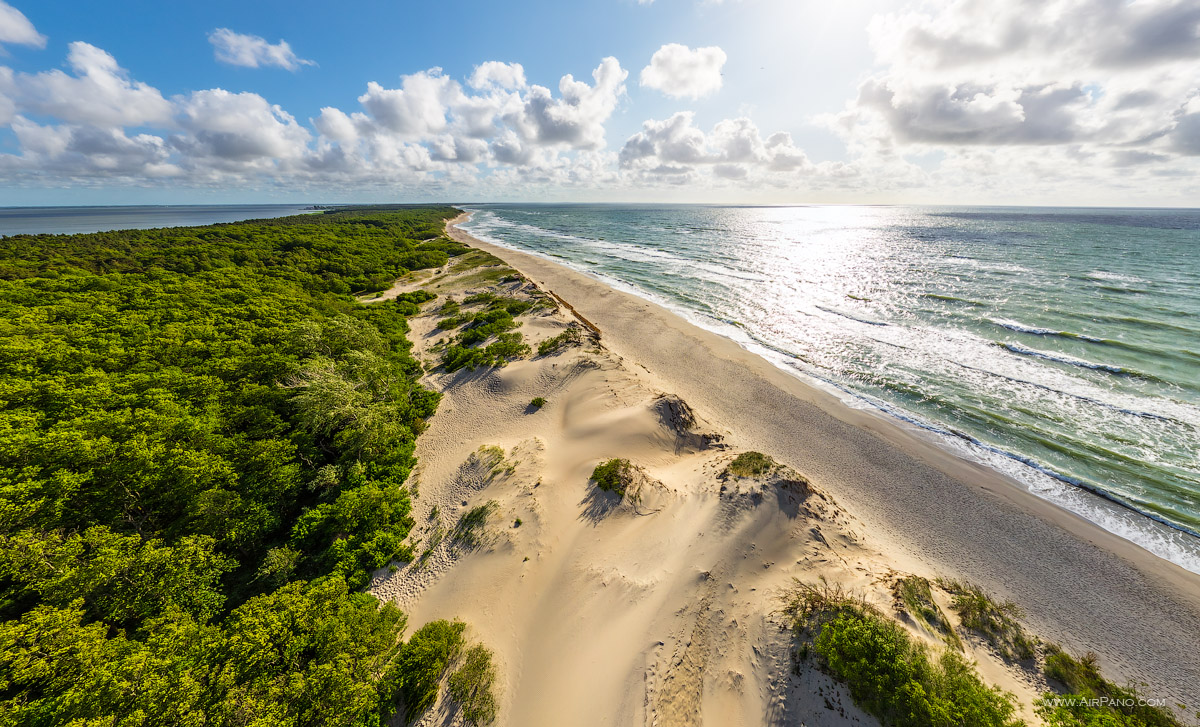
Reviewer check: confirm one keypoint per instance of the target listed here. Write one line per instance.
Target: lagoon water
(1061, 346)
(62, 220)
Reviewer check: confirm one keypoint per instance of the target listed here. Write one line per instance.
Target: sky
(1048, 102)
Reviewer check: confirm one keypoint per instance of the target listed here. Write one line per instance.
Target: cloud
(494, 133)
(680, 72)
(1078, 95)
(1185, 136)
(99, 93)
(1049, 35)
(968, 101)
(251, 51)
(15, 28)
(202, 136)
(508, 76)
(82, 151)
(8, 107)
(575, 119)
(978, 114)
(735, 150)
(238, 129)
(432, 123)
(418, 108)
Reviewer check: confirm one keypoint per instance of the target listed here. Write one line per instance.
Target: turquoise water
(1059, 345)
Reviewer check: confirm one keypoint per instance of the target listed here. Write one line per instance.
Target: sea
(68, 220)
(1058, 345)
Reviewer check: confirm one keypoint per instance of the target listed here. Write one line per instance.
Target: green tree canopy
(204, 439)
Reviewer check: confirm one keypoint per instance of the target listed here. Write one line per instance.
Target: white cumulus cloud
(416, 109)
(681, 72)
(509, 76)
(575, 119)
(674, 149)
(435, 124)
(100, 92)
(15, 28)
(227, 129)
(252, 51)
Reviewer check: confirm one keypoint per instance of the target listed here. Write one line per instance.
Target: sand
(662, 609)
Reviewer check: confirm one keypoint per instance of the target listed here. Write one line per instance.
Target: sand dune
(658, 607)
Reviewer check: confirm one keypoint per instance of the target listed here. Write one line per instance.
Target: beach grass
(423, 661)
(469, 529)
(889, 674)
(471, 686)
(997, 622)
(1090, 699)
(751, 464)
(916, 596)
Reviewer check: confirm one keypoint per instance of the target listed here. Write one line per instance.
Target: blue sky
(1080, 101)
(166, 46)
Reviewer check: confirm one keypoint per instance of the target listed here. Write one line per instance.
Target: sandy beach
(661, 608)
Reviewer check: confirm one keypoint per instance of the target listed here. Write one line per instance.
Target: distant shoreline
(84, 219)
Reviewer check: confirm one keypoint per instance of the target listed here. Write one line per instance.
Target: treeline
(203, 445)
(339, 252)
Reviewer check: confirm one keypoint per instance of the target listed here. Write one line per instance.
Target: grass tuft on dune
(751, 464)
(996, 621)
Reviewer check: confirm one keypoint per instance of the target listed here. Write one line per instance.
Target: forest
(204, 440)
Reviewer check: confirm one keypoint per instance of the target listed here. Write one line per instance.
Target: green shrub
(471, 686)
(613, 475)
(423, 661)
(495, 321)
(751, 464)
(450, 322)
(507, 347)
(570, 337)
(517, 307)
(409, 304)
(483, 326)
(538, 402)
(512, 306)
(476, 298)
(889, 674)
